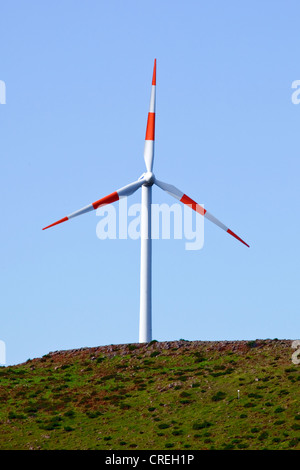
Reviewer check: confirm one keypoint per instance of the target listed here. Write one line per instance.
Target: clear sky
(78, 77)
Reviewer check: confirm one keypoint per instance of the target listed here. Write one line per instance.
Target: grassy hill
(162, 395)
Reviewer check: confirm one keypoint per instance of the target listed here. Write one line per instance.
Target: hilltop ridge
(158, 395)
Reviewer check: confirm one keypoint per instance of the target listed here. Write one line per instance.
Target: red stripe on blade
(238, 238)
(196, 207)
(150, 132)
(154, 74)
(106, 200)
(56, 223)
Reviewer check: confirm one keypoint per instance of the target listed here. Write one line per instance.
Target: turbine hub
(149, 178)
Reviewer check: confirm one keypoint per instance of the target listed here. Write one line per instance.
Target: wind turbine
(146, 181)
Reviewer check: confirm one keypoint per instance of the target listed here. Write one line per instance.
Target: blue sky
(78, 77)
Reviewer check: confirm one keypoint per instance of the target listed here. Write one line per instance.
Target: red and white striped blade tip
(175, 192)
(101, 202)
(237, 237)
(154, 73)
(198, 208)
(109, 199)
(56, 223)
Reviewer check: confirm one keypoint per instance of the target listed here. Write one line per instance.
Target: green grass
(172, 395)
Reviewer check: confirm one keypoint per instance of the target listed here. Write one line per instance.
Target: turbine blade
(173, 191)
(150, 130)
(115, 196)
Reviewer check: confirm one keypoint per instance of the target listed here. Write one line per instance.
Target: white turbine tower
(146, 181)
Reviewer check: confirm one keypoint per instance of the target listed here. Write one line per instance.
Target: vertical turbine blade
(150, 131)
